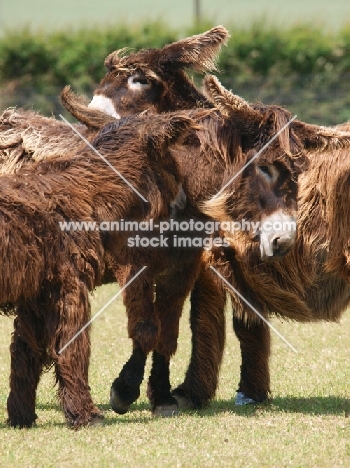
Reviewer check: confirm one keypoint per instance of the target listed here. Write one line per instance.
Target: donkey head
(278, 148)
(154, 79)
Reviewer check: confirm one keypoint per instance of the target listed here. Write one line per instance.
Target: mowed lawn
(307, 425)
(52, 15)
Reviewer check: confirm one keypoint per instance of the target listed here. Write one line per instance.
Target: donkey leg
(169, 303)
(171, 291)
(207, 320)
(159, 389)
(72, 358)
(126, 387)
(143, 329)
(254, 339)
(28, 356)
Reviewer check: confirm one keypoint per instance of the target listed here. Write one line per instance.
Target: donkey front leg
(72, 355)
(125, 389)
(143, 328)
(254, 340)
(28, 356)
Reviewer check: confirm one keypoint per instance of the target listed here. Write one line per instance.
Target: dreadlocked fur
(48, 269)
(28, 136)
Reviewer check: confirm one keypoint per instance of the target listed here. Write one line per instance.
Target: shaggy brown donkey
(151, 79)
(48, 283)
(311, 283)
(51, 297)
(46, 272)
(293, 141)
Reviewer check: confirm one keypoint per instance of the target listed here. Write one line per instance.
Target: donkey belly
(329, 298)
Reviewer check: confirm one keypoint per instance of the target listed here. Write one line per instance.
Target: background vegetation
(307, 424)
(304, 68)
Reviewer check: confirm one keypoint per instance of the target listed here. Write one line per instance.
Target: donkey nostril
(275, 242)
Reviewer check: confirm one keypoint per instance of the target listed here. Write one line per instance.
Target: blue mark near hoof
(242, 399)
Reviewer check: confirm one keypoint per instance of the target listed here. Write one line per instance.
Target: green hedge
(304, 68)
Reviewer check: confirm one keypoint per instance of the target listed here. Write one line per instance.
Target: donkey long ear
(229, 104)
(164, 130)
(316, 138)
(78, 107)
(197, 52)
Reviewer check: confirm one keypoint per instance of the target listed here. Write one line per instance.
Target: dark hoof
(93, 419)
(242, 399)
(116, 403)
(188, 400)
(165, 411)
(96, 420)
(182, 401)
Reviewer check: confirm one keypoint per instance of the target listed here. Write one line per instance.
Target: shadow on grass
(48, 406)
(137, 406)
(330, 405)
(312, 405)
(37, 426)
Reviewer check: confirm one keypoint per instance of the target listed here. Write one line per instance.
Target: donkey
(46, 271)
(312, 283)
(51, 298)
(152, 80)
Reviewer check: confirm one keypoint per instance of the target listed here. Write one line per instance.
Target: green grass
(51, 15)
(305, 426)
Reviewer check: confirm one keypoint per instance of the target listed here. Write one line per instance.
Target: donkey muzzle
(277, 236)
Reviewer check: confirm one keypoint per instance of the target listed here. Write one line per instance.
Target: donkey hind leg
(254, 339)
(207, 319)
(171, 291)
(72, 362)
(143, 329)
(28, 356)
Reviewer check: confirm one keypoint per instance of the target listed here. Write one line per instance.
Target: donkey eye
(137, 82)
(270, 173)
(265, 170)
(142, 81)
